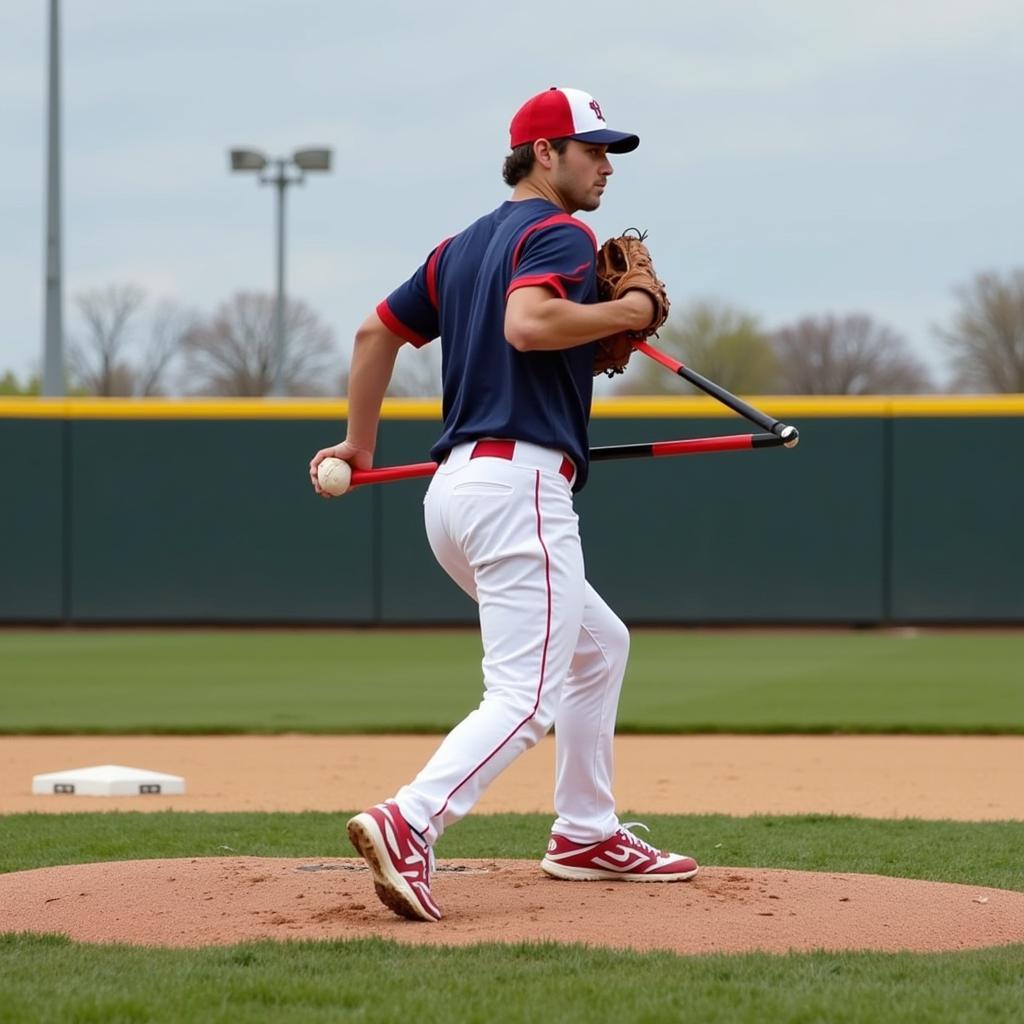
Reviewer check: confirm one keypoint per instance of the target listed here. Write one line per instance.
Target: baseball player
(513, 299)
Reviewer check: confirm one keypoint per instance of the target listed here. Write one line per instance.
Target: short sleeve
(560, 255)
(411, 310)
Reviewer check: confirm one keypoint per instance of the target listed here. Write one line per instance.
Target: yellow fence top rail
(784, 407)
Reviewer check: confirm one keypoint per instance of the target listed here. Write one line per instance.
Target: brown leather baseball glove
(624, 263)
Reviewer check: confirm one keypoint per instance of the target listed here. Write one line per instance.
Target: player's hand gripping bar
(788, 435)
(645, 450)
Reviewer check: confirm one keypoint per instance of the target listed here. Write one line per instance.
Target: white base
(108, 780)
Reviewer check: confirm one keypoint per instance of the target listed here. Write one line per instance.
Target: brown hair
(519, 162)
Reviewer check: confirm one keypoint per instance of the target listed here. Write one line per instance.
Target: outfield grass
(51, 979)
(264, 681)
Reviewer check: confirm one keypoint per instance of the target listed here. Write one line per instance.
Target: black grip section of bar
(728, 399)
(621, 451)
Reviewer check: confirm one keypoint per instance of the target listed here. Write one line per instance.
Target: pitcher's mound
(216, 901)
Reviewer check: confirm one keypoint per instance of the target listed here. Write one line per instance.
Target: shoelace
(635, 839)
(427, 849)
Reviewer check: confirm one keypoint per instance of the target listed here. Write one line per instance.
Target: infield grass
(983, 853)
(52, 979)
(267, 681)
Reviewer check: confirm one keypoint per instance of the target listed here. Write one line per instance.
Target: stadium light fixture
(282, 172)
(313, 159)
(247, 160)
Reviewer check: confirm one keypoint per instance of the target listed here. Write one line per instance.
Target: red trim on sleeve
(432, 271)
(395, 326)
(552, 281)
(556, 218)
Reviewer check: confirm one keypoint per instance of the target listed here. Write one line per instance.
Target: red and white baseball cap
(567, 113)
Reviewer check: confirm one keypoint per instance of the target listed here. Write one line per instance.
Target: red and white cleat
(622, 857)
(399, 859)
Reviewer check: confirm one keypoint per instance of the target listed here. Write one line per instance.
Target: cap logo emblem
(596, 108)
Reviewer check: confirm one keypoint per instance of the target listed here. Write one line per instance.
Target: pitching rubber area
(204, 901)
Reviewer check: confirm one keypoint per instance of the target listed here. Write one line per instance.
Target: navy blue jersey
(489, 389)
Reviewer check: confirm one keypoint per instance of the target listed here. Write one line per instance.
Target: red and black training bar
(779, 433)
(690, 446)
(646, 450)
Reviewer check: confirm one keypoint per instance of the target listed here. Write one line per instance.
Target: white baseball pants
(554, 652)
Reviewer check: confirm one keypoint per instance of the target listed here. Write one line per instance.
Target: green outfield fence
(891, 510)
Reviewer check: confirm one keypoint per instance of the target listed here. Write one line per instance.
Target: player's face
(580, 175)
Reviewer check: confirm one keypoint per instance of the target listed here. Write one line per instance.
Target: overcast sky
(797, 157)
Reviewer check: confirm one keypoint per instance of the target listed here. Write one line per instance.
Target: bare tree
(170, 325)
(417, 372)
(715, 339)
(985, 343)
(232, 352)
(120, 350)
(851, 355)
(98, 361)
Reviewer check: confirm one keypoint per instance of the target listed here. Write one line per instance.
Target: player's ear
(543, 153)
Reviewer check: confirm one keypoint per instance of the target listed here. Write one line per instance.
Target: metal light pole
(285, 171)
(53, 327)
(280, 181)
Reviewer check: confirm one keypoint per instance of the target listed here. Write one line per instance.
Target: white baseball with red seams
(334, 476)
(555, 653)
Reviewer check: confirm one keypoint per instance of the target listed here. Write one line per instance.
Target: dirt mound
(221, 900)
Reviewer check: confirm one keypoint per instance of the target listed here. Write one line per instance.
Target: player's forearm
(554, 323)
(373, 362)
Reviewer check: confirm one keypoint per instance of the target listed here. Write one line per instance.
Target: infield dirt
(969, 778)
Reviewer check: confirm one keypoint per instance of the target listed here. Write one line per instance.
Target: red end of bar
(666, 360)
(729, 443)
(389, 473)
